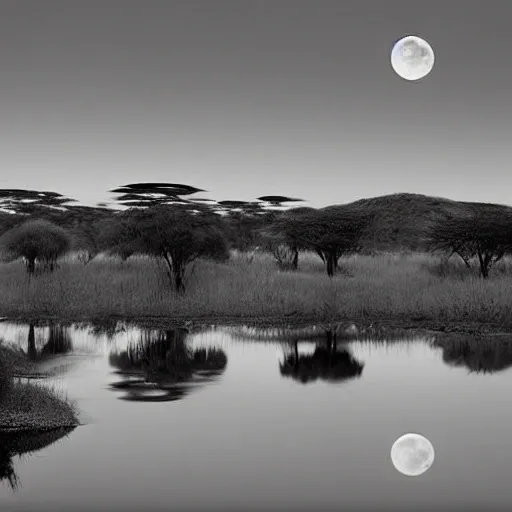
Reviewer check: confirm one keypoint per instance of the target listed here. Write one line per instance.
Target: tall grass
(388, 286)
(29, 406)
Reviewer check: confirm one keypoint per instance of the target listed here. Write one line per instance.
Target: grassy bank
(28, 406)
(393, 288)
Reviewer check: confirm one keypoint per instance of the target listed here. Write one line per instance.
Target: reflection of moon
(412, 454)
(412, 58)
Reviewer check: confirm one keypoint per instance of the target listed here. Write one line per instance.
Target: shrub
(38, 241)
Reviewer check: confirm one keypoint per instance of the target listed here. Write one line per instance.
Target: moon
(412, 454)
(412, 58)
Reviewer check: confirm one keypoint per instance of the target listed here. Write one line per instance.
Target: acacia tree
(78, 220)
(175, 236)
(145, 195)
(28, 202)
(484, 235)
(36, 241)
(330, 232)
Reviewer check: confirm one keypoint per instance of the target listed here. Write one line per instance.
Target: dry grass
(29, 406)
(395, 287)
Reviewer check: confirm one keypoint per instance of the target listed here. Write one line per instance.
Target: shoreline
(366, 324)
(26, 407)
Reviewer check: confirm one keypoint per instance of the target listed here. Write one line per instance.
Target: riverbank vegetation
(414, 287)
(160, 254)
(29, 406)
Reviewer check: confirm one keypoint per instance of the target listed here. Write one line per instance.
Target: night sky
(248, 98)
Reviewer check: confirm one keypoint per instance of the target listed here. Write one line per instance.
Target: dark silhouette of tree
(58, 342)
(330, 232)
(163, 359)
(78, 220)
(477, 354)
(29, 202)
(31, 344)
(279, 200)
(145, 195)
(175, 236)
(36, 241)
(485, 235)
(325, 363)
(24, 443)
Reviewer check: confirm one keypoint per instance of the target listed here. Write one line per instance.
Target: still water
(256, 430)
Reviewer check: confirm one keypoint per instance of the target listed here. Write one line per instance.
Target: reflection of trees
(325, 363)
(478, 354)
(57, 343)
(12, 444)
(164, 364)
(108, 328)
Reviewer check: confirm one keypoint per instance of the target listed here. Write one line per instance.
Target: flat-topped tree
(483, 235)
(78, 220)
(174, 235)
(331, 232)
(279, 200)
(27, 202)
(144, 195)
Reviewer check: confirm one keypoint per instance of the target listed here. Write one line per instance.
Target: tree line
(163, 221)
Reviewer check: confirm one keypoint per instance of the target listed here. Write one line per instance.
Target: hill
(400, 219)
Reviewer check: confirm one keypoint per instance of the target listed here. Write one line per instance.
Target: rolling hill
(400, 219)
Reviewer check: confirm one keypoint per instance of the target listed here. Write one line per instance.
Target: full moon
(412, 454)
(412, 58)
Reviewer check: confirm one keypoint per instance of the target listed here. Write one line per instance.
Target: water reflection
(58, 342)
(269, 456)
(162, 367)
(479, 354)
(327, 362)
(18, 444)
(110, 329)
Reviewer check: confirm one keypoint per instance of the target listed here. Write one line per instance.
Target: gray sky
(252, 97)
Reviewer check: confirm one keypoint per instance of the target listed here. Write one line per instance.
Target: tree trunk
(179, 284)
(321, 254)
(466, 262)
(31, 348)
(169, 266)
(295, 262)
(330, 260)
(31, 265)
(484, 265)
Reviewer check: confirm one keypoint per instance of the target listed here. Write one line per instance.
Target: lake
(252, 430)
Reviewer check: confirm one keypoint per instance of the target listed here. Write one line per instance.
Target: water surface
(264, 432)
